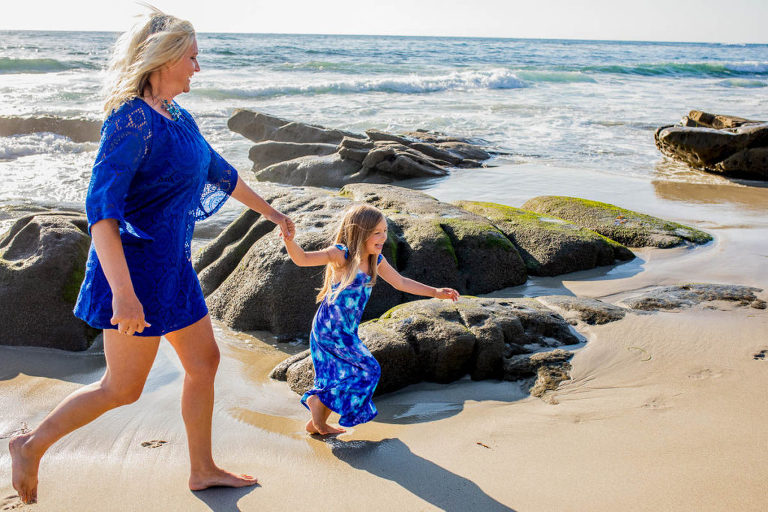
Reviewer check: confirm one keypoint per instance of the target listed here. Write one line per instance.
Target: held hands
(128, 314)
(287, 228)
(446, 293)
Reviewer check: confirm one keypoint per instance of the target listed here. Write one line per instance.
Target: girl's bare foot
(217, 477)
(23, 469)
(323, 429)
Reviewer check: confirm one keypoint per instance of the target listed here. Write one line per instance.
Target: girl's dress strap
(343, 247)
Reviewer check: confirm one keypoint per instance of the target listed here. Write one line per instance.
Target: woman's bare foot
(323, 429)
(219, 478)
(24, 469)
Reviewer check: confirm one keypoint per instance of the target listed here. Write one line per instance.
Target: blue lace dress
(156, 177)
(346, 373)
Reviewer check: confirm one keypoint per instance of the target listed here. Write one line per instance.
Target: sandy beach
(664, 411)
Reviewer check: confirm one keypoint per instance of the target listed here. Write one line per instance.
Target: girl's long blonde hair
(357, 225)
(158, 40)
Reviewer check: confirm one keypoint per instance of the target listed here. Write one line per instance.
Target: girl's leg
(129, 360)
(318, 424)
(199, 355)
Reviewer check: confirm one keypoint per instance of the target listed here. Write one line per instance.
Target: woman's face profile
(179, 74)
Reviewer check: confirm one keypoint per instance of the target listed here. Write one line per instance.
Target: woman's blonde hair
(155, 41)
(357, 225)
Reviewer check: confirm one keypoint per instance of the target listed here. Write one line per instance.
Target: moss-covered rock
(549, 246)
(627, 227)
(441, 341)
(42, 264)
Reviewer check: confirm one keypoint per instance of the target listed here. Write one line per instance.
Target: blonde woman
(154, 176)
(346, 374)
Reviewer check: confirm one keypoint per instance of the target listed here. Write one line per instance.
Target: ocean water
(567, 105)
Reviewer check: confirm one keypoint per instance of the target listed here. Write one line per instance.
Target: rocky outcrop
(441, 341)
(78, 130)
(42, 264)
(302, 154)
(251, 284)
(689, 295)
(627, 227)
(550, 246)
(728, 145)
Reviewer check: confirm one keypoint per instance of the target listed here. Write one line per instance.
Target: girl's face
(178, 75)
(375, 242)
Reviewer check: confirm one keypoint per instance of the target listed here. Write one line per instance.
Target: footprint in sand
(155, 443)
(762, 355)
(12, 502)
(706, 373)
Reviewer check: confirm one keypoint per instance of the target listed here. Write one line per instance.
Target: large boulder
(729, 145)
(627, 227)
(550, 246)
(251, 284)
(42, 264)
(78, 130)
(441, 341)
(301, 154)
(693, 294)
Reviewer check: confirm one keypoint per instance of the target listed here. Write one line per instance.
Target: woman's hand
(446, 293)
(128, 313)
(287, 228)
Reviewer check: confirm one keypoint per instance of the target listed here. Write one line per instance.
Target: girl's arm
(304, 258)
(127, 312)
(404, 284)
(255, 202)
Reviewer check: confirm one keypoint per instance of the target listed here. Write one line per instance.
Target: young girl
(346, 373)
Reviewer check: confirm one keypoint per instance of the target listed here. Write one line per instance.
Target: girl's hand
(287, 228)
(128, 313)
(447, 293)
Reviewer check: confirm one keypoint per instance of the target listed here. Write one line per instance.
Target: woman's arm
(127, 312)
(255, 202)
(407, 285)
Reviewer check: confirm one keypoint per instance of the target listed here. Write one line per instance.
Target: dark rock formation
(78, 130)
(589, 311)
(42, 264)
(728, 145)
(441, 341)
(627, 227)
(301, 154)
(550, 246)
(688, 295)
(251, 284)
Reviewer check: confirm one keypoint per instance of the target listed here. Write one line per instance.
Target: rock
(728, 145)
(301, 154)
(78, 130)
(42, 264)
(251, 284)
(261, 127)
(441, 341)
(624, 226)
(550, 246)
(689, 295)
(461, 249)
(590, 311)
(267, 153)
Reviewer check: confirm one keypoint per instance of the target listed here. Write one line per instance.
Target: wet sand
(665, 411)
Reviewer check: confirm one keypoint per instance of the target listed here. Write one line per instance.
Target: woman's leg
(129, 360)
(199, 356)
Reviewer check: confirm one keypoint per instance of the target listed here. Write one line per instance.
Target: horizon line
(662, 41)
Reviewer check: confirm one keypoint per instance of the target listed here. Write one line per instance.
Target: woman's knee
(121, 394)
(204, 363)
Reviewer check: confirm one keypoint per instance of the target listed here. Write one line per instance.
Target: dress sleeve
(379, 259)
(125, 139)
(343, 247)
(220, 183)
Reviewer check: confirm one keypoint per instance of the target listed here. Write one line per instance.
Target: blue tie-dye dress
(346, 373)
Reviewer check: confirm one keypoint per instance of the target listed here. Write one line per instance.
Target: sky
(724, 21)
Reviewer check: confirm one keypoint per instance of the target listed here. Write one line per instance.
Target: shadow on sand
(393, 460)
(223, 499)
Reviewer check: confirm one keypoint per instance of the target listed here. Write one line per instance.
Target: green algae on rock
(627, 227)
(549, 246)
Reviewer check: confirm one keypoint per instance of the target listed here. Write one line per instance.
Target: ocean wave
(741, 82)
(554, 76)
(692, 69)
(18, 146)
(14, 66)
(411, 84)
